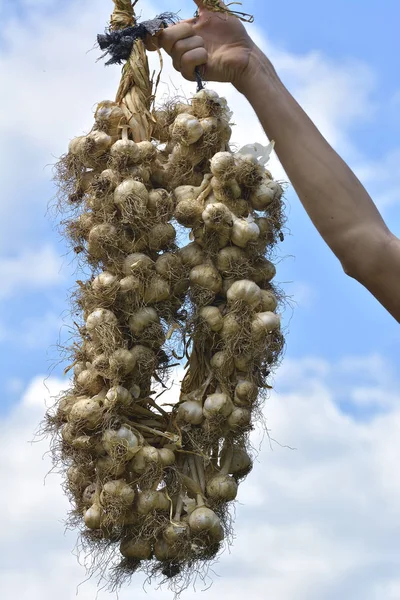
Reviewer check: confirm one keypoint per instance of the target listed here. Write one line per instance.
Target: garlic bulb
(231, 327)
(93, 517)
(138, 264)
(76, 144)
(143, 356)
(223, 488)
(188, 212)
(192, 255)
(244, 231)
(169, 266)
(157, 290)
(262, 197)
(264, 323)
(239, 417)
(216, 216)
(125, 148)
(97, 143)
(147, 151)
(78, 368)
(117, 491)
(226, 190)
(182, 153)
(264, 271)
(131, 285)
(141, 319)
(167, 457)
(136, 549)
(207, 277)
(190, 412)
(186, 192)
(150, 501)
(121, 441)
(187, 129)
(65, 406)
(248, 171)
(139, 173)
(160, 202)
(217, 405)
(100, 237)
(89, 494)
(117, 395)
(104, 282)
(276, 188)
(222, 165)
(108, 466)
(109, 116)
(121, 363)
(147, 455)
(84, 223)
(88, 413)
(240, 461)
(76, 477)
(242, 361)
(131, 193)
(212, 316)
(165, 552)
(222, 363)
(83, 442)
(210, 125)
(232, 259)
(99, 317)
(176, 532)
(107, 181)
(161, 236)
(204, 520)
(244, 291)
(90, 381)
(269, 301)
(91, 147)
(101, 364)
(264, 225)
(246, 393)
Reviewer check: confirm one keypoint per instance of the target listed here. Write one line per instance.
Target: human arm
(335, 200)
(333, 197)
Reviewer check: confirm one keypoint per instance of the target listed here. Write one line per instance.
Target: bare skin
(335, 200)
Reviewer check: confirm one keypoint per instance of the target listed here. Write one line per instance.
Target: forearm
(335, 200)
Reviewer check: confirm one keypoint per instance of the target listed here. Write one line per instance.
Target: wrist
(259, 71)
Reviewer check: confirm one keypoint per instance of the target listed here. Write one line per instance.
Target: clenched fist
(215, 42)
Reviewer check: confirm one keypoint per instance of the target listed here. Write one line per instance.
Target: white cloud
(14, 385)
(363, 384)
(32, 269)
(40, 331)
(300, 294)
(316, 522)
(50, 64)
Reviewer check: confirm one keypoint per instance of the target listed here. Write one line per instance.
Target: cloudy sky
(320, 520)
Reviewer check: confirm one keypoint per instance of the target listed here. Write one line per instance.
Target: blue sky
(337, 392)
(338, 316)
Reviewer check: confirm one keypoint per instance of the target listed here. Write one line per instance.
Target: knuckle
(180, 47)
(194, 57)
(188, 75)
(176, 63)
(199, 41)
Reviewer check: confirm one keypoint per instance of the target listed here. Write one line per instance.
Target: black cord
(199, 79)
(119, 44)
